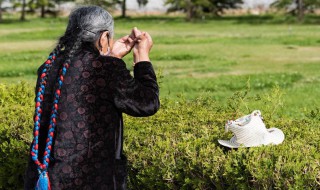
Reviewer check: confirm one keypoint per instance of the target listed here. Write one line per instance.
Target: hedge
(16, 103)
(178, 149)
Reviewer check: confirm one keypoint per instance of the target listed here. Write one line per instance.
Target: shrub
(16, 113)
(178, 149)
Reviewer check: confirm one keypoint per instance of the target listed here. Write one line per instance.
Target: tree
(42, 4)
(111, 4)
(196, 8)
(48, 6)
(190, 7)
(107, 4)
(24, 5)
(142, 3)
(218, 6)
(31, 5)
(1, 10)
(123, 8)
(21, 4)
(297, 7)
(23, 11)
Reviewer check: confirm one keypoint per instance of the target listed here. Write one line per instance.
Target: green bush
(16, 103)
(178, 149)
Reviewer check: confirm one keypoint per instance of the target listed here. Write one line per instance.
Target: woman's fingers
(132, 36)
(136, 32)
(141, 37)
(125, 38)
(148, 37)
(131, 42)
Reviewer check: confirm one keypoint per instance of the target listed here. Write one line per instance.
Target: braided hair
(84, 28)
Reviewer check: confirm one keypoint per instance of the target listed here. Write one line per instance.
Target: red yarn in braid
(44, 182)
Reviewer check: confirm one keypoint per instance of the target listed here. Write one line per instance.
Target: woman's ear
(104, 43)
(104, 40)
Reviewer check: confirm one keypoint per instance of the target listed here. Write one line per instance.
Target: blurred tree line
(192, 8)
(298, 7)
(197, 8)
(48, 6)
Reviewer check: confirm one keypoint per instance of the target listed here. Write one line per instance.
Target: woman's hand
(142, 47)
(140, 41)
(122, 47)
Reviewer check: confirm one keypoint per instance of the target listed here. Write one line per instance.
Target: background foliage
(193, 9)
(197, 8)
(297, 7)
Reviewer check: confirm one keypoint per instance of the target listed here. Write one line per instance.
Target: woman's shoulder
(110, 60)
(97, 61)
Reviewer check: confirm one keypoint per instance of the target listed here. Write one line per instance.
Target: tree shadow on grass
(269, 19)
(157, 18)
(246, 19)
(17, 21)
(10, 21)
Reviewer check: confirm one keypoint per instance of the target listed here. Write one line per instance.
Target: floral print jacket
(89, 134)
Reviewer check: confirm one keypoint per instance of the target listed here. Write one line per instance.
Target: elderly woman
(82, 90)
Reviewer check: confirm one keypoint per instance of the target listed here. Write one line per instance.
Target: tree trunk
(124, 8)
(23, 11)
(0, 11)
(190, 10)
(300, 7)
(42, 11)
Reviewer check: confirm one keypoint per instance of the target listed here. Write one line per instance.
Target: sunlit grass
(211, 58)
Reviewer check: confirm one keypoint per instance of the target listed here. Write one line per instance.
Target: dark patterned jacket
(87, 149)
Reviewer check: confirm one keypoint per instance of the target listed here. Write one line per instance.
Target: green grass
(210, 58)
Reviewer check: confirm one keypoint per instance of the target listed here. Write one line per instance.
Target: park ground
(208, 58)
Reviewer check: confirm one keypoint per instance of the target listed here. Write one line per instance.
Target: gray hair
(91, 20)
(85, 27)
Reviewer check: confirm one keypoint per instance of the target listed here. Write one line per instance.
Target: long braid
(38, 107)
(44, 182)
(57, 95)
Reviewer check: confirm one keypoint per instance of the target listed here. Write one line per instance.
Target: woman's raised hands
(142, 47)
(140, 41)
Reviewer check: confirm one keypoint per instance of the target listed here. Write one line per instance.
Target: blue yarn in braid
(38, 107)
(38, 111)
(44, 182)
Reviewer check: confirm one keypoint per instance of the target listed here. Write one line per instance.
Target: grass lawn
(210, 58)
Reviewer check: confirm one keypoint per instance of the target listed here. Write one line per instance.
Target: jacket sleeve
(139, 95)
